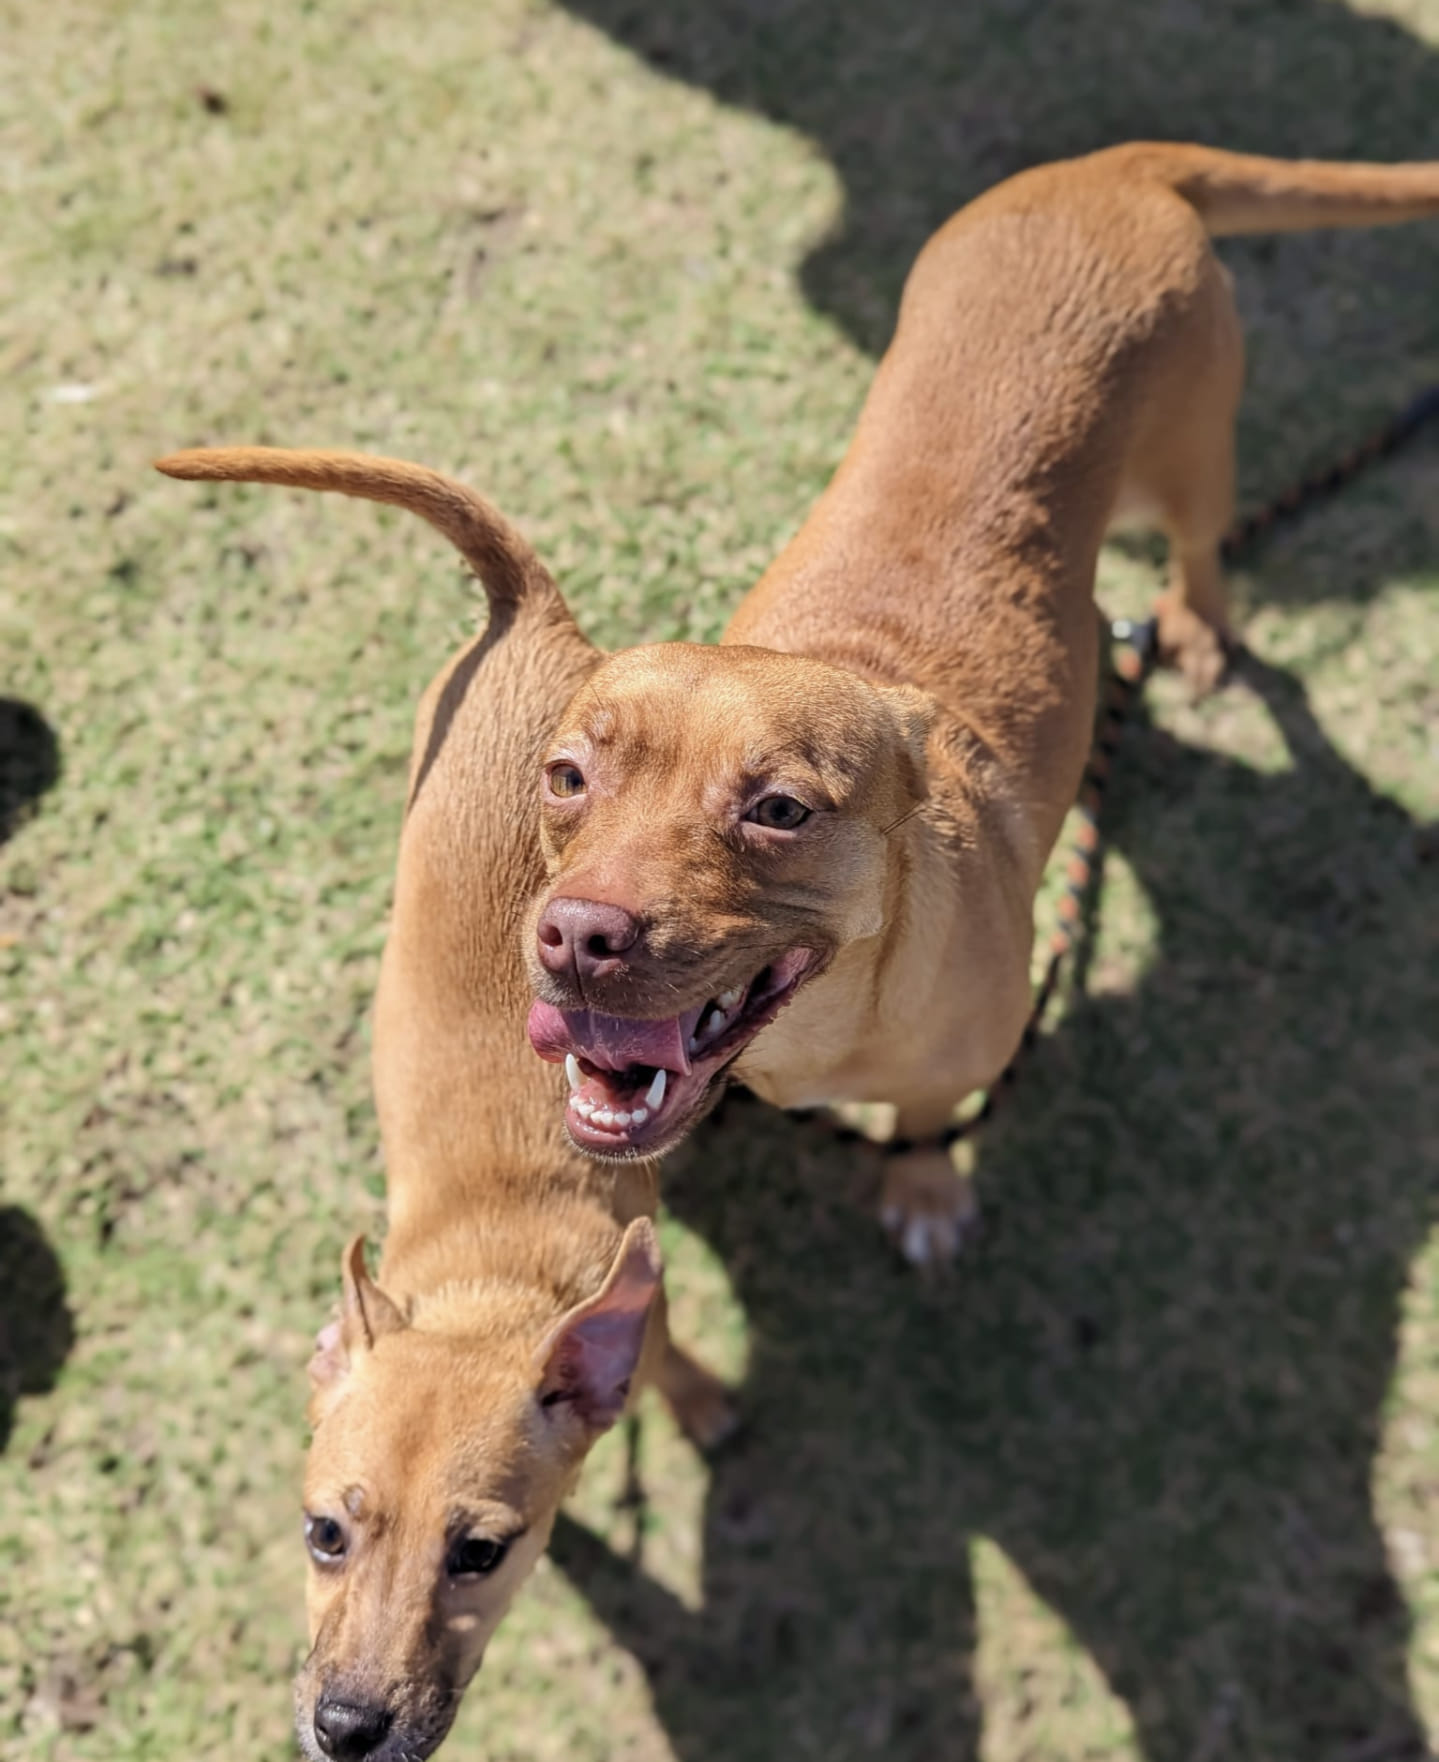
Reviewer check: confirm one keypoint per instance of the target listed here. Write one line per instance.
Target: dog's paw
(1197, 650)
(927, 1206)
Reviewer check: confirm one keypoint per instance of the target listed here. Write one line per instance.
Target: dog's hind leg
(1181, 470)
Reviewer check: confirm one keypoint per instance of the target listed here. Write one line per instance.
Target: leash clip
(1140, 634)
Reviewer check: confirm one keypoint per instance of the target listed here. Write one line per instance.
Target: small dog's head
(440, 1457)
(716, 827)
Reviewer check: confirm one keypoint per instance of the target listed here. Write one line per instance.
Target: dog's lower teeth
(655, 1094)
(623, 1119)
(639, 1116)
(603, 1117)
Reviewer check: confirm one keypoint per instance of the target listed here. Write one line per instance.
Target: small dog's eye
(326, 1540)
(781, 813)
(473, 1556)
(566, 779)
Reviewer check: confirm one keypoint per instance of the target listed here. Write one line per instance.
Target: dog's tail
(1242, 192)
(508, 568)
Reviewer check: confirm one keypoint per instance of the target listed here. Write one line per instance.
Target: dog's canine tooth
(655, 1094)
(572, 1071)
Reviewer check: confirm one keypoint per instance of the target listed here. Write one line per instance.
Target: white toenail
(916, 1241)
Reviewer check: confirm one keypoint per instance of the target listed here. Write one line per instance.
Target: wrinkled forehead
(410, 1430)
(745, 709)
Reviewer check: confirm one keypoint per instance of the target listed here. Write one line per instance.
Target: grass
(1156, 1474)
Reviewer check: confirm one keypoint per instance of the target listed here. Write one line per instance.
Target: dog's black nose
(585, 937)
(347, 1730)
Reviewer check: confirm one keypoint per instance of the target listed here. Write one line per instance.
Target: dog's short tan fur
(1067, 355)
(518, 1296)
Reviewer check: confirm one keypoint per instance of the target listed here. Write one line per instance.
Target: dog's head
(716, 825)
(439, 1460)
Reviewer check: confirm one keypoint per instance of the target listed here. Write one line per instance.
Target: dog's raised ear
(588, 1359)
(366, 1313)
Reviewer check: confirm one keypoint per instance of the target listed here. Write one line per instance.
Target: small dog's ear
(914, 713)
(365, 1313)
(589, 1358)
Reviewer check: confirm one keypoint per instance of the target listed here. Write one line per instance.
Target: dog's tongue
(613, 1043)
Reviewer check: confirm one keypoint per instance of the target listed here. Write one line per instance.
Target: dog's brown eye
(473, 1556)
(566, 779)
(781, 813)
(326, 1540)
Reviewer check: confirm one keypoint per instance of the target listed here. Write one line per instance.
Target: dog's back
(1067, 352)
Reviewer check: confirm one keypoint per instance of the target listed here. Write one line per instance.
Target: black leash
(1301, 496)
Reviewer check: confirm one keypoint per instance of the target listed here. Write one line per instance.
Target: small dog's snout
(349, 1730)
(585, 938)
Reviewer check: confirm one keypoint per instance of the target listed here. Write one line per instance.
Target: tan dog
(519, 1295)
(845, 810)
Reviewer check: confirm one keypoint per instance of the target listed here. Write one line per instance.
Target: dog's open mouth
(635, 1084)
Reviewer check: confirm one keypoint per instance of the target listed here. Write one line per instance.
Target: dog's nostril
(584, 934)
(349, 1731)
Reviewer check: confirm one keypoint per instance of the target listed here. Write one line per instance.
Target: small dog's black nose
(347, 1730)
(585, 937)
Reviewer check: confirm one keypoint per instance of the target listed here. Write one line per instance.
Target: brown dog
(844, 812)
(519, 1294)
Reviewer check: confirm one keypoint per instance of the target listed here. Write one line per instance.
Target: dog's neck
(895, 989)
(519, 1244)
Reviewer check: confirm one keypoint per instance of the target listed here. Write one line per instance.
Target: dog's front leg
(927, 1201)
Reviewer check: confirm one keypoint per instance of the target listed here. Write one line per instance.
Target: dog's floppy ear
(589, 1358)
(365, 1314)
(914, 714)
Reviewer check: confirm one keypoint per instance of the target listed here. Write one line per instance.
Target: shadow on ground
(36, 1328)
(29, 762)
(1157, 1385)
(921, 104)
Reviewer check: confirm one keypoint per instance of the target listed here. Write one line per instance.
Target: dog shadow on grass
(1157, 1383)
(29, 762)
(921, 104)
(36, 1329)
